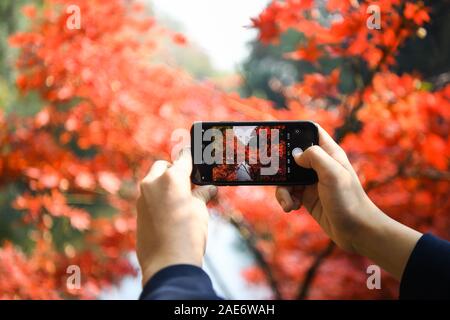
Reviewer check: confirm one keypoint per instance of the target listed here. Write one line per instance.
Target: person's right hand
(337, 202)
(344, 211)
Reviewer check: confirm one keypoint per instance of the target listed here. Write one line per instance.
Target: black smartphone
(251, 153)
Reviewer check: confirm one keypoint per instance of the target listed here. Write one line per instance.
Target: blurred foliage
(94, 107)
(429, 53)
(12, 20)
(267, 62)
(89, 110)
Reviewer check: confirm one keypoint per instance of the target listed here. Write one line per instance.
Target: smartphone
(251, 153)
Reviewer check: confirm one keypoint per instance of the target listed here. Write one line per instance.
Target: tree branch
(310, 275)
(251, 240)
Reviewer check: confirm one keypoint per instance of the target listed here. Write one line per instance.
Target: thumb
(327, 168)
(184, 161)
(205, 193)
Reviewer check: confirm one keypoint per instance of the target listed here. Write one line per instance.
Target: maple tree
(108, 110)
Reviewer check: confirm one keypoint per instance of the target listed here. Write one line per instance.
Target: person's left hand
(172, 219)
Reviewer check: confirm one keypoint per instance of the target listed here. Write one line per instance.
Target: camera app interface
(245, 153)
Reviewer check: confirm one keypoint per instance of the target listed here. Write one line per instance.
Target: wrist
(386, 241)
(371, 230)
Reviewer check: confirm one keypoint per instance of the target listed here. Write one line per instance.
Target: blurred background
(91, 92)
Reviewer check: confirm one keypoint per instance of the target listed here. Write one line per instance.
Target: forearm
(386, 242)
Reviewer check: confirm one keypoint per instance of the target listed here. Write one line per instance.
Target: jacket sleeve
(179, 282)
(427, 273)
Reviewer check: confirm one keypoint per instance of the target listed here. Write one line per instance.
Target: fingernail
(283, 204)
(184, 151)
(297, 152)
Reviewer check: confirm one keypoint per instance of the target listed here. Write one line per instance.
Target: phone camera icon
(297, 131)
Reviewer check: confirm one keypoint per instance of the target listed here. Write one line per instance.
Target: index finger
(327, 143)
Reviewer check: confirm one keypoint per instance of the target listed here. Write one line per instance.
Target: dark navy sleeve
(179, 282)
(427, 273)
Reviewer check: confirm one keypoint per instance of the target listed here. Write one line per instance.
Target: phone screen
(251, 153)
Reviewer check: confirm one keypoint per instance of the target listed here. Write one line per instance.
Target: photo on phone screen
(251, 153)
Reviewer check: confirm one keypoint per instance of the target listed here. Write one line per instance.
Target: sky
(218, 26)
